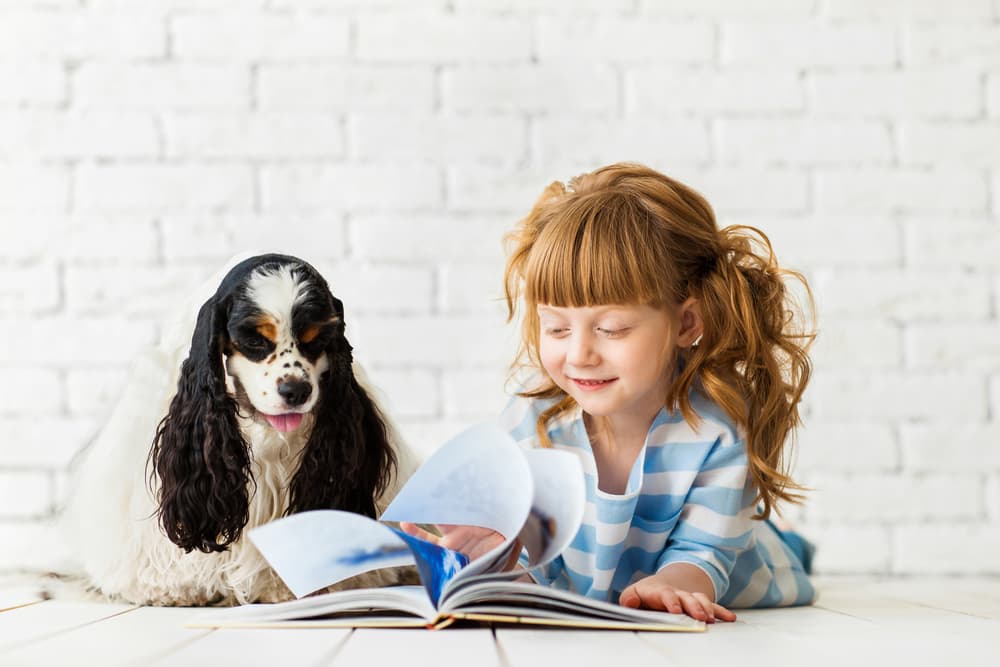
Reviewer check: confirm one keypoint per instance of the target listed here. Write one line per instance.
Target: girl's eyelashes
(612, 333)
(607, 332)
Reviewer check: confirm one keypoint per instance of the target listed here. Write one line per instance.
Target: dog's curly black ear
(198, 453)
(348, 461)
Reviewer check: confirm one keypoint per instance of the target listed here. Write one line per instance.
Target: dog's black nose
(295, 392)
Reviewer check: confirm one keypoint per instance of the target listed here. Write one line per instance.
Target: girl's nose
(581, 349)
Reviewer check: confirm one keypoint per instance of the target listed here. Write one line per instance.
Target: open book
(533, 498)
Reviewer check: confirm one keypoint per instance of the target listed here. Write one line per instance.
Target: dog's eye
(254, 342)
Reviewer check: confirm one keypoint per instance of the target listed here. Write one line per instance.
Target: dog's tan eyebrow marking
(313, 330)
(310, 334)
(268, 329)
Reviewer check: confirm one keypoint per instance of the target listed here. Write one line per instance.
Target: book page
(478, 478)
(399, 599)
(312, 550)
(527, 599)
(557, 504)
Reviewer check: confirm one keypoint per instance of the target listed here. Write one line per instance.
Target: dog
(255, 412)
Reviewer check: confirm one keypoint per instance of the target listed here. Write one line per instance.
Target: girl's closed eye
(613, 332)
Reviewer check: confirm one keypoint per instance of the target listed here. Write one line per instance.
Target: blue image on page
(437, 565)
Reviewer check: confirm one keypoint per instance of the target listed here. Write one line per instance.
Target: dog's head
(276, 332)
(283, 330)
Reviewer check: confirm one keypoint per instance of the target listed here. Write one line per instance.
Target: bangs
(592, 253)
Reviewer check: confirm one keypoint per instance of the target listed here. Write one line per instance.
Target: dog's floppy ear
(347, 461)
(198, 453)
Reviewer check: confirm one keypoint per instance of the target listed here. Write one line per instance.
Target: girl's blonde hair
(626, 234)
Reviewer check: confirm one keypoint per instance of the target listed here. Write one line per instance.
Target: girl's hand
(472, 541)
(654, 593)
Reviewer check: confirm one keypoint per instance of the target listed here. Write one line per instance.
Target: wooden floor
(900, 622)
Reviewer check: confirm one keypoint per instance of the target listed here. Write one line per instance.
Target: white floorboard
(576, 648)
(35, 622)
(134, 637)
(16, 591)
(256, 648)
(418, 647)
(911, 622)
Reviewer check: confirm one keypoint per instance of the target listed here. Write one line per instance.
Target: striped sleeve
(714, 524)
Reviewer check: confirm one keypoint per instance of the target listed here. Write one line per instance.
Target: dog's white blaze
(277, 291)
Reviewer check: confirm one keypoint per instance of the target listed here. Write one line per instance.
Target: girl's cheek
(550, 359)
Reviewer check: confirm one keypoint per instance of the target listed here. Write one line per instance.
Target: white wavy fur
(111, 523)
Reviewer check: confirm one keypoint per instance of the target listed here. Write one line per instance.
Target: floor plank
(737, 643)
(857, 620)
(253, 648)
(814, 621)
(976, 598)
(136, 637)
(17, 591)
(895, 614)
(441, 648)
(525, 647)
(32, 623)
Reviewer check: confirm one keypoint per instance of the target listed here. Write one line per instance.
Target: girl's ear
(691, 323)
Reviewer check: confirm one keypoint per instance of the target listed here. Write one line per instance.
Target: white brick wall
(393, 142)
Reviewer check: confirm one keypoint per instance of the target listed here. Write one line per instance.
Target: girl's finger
(418, 532)
(707, 605)
(692, 607)
(668, 600)
(724, 614)
(629, 598)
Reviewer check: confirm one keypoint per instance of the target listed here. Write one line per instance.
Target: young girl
(664, 355)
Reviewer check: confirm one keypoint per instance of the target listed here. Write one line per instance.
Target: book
(534, 498)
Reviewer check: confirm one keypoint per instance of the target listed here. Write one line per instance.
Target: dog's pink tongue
(286, 422)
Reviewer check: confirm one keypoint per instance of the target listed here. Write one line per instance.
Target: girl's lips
(592, 385)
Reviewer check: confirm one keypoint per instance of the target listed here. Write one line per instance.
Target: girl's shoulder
(712, 426)
(520, 417)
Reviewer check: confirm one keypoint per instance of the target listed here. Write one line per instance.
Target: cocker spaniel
(257, 414)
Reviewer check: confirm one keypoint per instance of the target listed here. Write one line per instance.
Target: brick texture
(392, 143)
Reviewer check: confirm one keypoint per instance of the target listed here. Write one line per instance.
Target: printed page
(401, 599)
(478, 478)
(557, 507)
(557, 504)
(315, 549)
(527, 599)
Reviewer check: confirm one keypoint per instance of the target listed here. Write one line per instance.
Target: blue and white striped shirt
(688, 499)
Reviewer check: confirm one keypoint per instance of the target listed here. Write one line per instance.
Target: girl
(663, 353)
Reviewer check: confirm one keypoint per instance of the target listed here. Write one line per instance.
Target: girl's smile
(593, 385)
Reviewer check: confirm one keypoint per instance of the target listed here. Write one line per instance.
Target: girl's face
(613, 360)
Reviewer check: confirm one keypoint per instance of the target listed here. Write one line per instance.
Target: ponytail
(751, 361)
